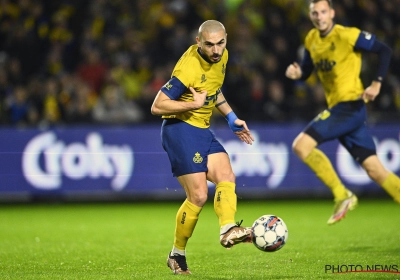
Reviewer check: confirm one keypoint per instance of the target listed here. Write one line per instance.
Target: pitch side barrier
(128, 163)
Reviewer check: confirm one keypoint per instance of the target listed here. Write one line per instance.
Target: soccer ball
(269, 233)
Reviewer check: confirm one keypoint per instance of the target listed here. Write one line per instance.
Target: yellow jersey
(192, 70)
(337, 63)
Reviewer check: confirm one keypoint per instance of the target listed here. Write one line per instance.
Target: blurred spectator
(15, 74)
(6, 89)
(161, 75)
(127, 77)
(36, 101)
(53, 109)
(114, 108)
(93, 70)
(46, 45)
(17, 106)
(276, 106)
(80, 105)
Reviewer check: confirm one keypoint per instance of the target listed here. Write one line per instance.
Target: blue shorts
(188, 146)
(346, 122)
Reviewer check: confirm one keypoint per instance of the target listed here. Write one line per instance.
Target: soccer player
(186, 103)
(335, 52)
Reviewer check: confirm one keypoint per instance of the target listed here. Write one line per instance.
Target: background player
(186, 103)
(335, 52)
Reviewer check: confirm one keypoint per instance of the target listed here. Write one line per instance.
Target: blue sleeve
(365, 41)
(368, 42)
(174, 88)
(306, 65)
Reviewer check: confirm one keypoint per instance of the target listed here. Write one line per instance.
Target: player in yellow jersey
(335, 51)
(186, 103)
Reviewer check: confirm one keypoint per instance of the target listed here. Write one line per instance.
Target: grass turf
(132, 240)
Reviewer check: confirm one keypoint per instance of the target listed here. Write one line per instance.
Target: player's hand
(244, 134)
(293, 71)
(371, 92)
(198, 97)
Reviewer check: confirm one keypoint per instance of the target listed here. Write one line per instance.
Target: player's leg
(304, 146)
(335, 123)
(225, 200)
(220, 172)
(389, 181)
(186, 219)
(196, 189)
(187, 148)
(361, 146)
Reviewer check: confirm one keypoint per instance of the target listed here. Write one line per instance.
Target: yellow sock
(322, 167)
(186, 220)
(225, 203)
(392, 186)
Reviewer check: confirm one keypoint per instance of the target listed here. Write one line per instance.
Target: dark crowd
(70, 62)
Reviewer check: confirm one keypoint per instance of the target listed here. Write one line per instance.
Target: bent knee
(375, 169)
(303, 145)
(378, 175)
(296, 148)
(228, 176)
(300, 150)
(231, 177)
(198, 199)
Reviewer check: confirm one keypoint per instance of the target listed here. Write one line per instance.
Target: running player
(335, 51)
(186, 103)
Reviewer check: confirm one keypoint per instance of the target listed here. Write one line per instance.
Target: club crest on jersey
(223, 68)
(333, 47)
(197, 158)
(168, 86)
(203, 78)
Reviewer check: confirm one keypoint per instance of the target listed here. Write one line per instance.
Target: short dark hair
(316, 1)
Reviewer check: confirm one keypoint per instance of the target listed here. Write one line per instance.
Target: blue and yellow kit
(337, 59)
(192, 70)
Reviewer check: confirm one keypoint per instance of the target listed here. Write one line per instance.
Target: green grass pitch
(132, 240)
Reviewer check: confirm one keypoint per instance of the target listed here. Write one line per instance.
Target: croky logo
(325, 65)
(203, 78)
(219, 196)
(48, 160)
(197, 158)
(183, 218)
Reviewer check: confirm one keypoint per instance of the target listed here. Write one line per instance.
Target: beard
(214, 58)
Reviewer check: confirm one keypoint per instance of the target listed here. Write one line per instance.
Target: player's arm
(301, 72)
(238, 126)
(368, 42)
(166, 103)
